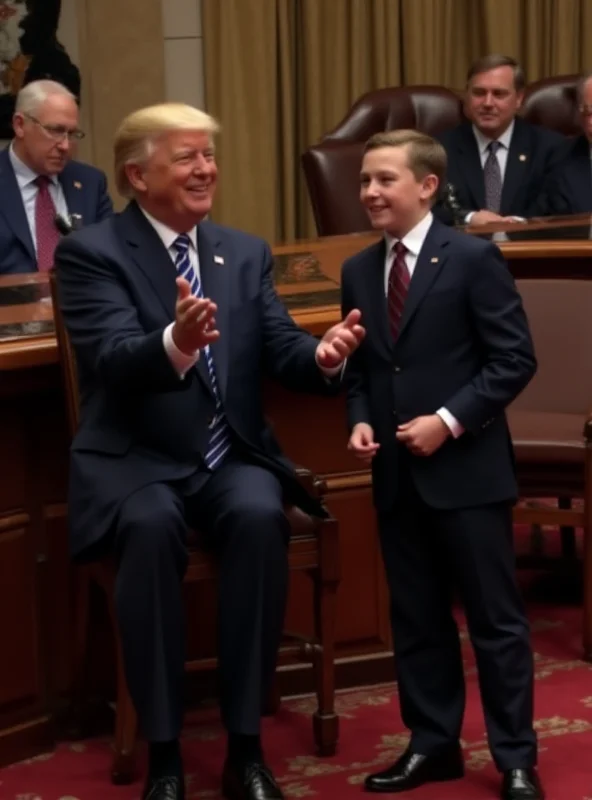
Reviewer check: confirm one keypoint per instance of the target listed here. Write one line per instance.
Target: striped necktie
(220, 442)
(398, 286)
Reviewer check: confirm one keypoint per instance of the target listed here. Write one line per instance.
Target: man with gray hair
(39, 183)
(175, 322)
(569, 188)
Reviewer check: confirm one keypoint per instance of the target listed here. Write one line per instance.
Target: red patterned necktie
(46, 231)
(398, 286)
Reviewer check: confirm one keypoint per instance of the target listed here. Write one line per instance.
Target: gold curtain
(281, 73)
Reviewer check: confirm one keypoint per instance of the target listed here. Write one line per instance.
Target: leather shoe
(413, 770)
(170, 787)
(249, 781)
(522, 784)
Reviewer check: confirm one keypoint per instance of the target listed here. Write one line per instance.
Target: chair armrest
(314, 485)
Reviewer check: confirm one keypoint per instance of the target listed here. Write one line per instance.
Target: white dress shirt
(413, 241)
(180, 361)
(483, 143)
(25, 178)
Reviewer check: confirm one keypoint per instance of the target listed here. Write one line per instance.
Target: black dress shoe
(249, 781)
(413, 770)
(522, 784)
(169, 788)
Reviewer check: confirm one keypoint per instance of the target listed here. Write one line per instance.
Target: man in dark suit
(175, 321)
(447, 348)
(497, 162)
(569, 188)
(38, 181)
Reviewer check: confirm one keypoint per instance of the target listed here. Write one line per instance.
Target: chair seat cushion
(547, 437)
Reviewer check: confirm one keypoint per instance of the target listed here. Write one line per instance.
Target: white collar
(168, 235)
(413, 241)
(483, 141)
(24, 174)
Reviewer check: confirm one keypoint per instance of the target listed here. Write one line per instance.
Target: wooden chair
(551, 421)
(314, 549)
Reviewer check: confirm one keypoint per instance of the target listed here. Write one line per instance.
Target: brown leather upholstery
(332, 167)
(313, 550)
(551, 422)
(552, 103)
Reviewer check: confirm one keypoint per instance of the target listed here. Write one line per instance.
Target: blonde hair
(137, 134)
(32, 96)
(426, 156)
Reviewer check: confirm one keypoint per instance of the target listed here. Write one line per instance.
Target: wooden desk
(35, 574)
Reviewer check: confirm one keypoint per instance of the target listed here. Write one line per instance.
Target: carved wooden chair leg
(76, 717)
(568, 534)
(325, 720)
(126, 728)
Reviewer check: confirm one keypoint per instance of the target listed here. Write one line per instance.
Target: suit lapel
(517, 165)
(430, 261)
(579, 176)
(470, 164)
(12, 207)
(214, 266)
(73, 190)
(155, 263)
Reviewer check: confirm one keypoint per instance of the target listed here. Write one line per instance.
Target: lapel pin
(77, 185)
(434, 260)
(522, 157)
(218, 260)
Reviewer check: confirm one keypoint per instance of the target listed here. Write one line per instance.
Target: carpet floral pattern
(372, 736)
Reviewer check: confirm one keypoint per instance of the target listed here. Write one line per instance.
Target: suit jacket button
(396, 369)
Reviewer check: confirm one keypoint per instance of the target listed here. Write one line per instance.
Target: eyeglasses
(57, 132)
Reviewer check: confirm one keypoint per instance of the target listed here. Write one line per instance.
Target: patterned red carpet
(371, 737)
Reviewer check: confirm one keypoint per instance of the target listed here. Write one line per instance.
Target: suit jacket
(140, 423)
(532, 155)
(569, 187)
(463, 343)
(85, 190)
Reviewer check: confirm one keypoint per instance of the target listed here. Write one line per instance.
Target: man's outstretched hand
(340, 341)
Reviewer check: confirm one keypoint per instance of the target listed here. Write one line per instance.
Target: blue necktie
(219, 443)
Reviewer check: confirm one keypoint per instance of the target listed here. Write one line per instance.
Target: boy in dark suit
(447, 348)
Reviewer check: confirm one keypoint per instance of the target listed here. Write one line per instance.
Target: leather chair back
(559, 316)
(332, 167)
(552, 103)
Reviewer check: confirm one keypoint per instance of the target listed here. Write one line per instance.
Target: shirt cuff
(332, 372)
(469, 217)
(181, 362)
(454, 426)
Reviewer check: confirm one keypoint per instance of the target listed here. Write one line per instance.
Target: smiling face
(394, 198)
(176, 183)
(492, 100)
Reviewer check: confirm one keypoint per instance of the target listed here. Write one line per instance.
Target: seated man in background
(38, 181)
(569, 188)
(497, 162)
(173, 431)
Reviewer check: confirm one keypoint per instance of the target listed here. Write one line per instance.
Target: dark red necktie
(46, 231)
(398, 286)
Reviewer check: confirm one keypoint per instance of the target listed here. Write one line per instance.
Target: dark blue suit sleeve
(358, 407)
(104, 204)
(502, 331)
(103, 325)
(288, 351)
